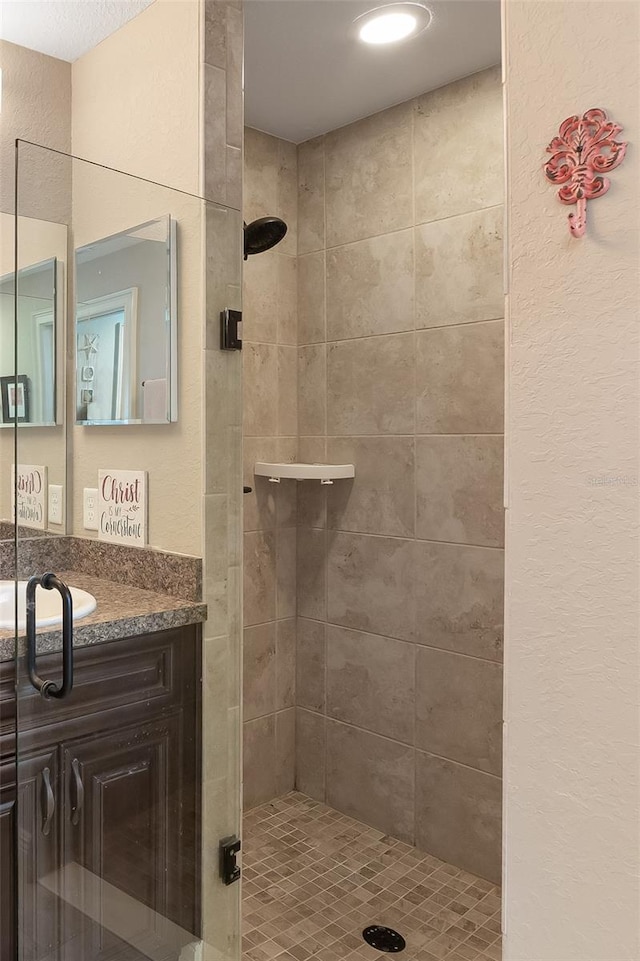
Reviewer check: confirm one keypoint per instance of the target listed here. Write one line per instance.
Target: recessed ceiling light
(393, 22)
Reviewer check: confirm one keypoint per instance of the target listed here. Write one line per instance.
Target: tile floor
(314, 878)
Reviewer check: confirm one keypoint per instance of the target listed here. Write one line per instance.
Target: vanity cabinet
(110, 790)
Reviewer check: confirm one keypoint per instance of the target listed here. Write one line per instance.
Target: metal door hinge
(230, 321)
(229, 867)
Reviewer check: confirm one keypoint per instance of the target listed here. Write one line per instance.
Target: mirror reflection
(28, 395)
(126, 327)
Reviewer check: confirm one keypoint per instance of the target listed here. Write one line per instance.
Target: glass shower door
(122, 792)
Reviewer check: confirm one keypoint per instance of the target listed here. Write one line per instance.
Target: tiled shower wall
(400, 572)
(270, 430)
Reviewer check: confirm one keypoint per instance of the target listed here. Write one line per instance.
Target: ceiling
(64, 28)
(306, 72)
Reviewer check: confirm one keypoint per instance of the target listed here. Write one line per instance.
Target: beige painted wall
(572, 681)
(36, 106)
(38, 240)
(136, 107)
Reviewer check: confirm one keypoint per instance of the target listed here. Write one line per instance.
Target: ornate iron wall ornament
(583, 150)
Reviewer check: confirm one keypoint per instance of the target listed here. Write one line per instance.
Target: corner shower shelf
(325, 473)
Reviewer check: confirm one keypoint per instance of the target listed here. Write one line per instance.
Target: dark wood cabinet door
(7, 862)
(123, 843)
(38, 836)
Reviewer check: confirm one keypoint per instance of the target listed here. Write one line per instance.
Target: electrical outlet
(90, 508)
(56, 505)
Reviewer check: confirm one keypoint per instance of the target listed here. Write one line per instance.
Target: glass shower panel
(121, 796)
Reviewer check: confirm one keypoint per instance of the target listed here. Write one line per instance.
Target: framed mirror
(29, 396)
(126, 327)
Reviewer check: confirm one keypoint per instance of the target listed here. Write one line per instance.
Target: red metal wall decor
(583, 150)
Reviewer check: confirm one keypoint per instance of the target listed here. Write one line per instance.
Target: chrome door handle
(78, 803)
(48, 801)
(49, 688)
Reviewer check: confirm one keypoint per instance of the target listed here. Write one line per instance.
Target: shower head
(263, 234)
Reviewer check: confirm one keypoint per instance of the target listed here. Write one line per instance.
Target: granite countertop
(122, 611)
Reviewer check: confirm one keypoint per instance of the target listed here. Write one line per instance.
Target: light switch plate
(90, 508)
(56, 504)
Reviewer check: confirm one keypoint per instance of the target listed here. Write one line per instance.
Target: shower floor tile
(314, 879)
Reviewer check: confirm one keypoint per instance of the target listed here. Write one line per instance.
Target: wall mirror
(28, 395)
(126, 327)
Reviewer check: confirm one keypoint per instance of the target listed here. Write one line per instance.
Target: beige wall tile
(312, 498)
(285, 751)
(459, 269)
(260, 196)
(370, 286)
(286, 572)
(287, 450)
(259, 577)
(260, 299)
(288, 391)
(368, 176)
(285, 664)
(381, 497)
(371, 682)
(259, 761)
(460, 598)
(287, 195)
(311, 195)
(215, 141)
(259, 670)
(287, 275)
(310, 664)
(459, 708)
(260, 505)
(234, 64)
(460, 379)
(459, 484)
(311, 298)
(371, 385)
(371, 778)
(286, 500)
(260, 390)
(215, 33)
(312, 374)
(234, 177)
(370, 584)
(458, 815)
(451, 178)
(219, 557)
(311, 571)
(310, 754)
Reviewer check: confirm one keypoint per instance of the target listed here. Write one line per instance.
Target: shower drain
(384, 939)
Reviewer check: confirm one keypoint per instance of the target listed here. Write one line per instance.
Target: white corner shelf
(325, 473)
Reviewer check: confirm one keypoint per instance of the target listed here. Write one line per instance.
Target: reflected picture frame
(14, 394)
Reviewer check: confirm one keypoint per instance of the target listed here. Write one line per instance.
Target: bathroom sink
(48, 605)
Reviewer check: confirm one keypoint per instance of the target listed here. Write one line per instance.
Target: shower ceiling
(306, 73)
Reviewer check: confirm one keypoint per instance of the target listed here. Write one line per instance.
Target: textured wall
(572, 683)
(270, 434)
(136, 103)
(36, 106)
(401, 373)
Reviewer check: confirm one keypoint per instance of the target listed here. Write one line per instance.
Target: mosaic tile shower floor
(314, 878)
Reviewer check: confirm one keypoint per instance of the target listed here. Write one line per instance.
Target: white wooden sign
(122, 507)
(29, 483)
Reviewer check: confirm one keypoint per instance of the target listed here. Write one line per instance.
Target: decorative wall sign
(583, 150)
(29, 483)
(14, 392)
(122, 507)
